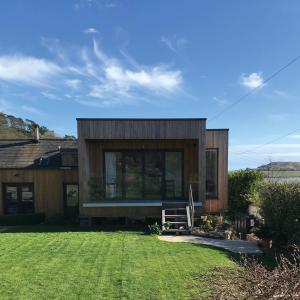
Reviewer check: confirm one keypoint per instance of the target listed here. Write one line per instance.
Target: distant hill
(280, 166)
(12, 127)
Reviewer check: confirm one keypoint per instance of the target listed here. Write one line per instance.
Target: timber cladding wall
(141, 128)
(48, 186)
(218, 139)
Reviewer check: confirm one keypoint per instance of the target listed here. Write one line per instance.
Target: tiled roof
(31, 154)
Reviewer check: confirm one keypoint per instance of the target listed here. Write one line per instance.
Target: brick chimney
(36, 134)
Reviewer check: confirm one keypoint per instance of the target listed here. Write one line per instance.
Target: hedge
(280, 207)
(22, 219)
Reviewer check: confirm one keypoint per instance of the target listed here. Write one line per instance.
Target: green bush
(243, 189)
(22, 219)
(154, 229)
(280, 207)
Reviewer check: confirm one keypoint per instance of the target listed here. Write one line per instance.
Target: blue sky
(103, 58)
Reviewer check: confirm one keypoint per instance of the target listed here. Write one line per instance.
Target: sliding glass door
(133, 172)
(153, 175)
(143, 174)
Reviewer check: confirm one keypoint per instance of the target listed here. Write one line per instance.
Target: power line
(267, 143)
(243, 97)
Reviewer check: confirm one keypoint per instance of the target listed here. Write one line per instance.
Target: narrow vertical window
(212, 173)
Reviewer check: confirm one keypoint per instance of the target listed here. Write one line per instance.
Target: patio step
(175, 220)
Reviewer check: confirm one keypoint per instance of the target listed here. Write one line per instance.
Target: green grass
(100, 265)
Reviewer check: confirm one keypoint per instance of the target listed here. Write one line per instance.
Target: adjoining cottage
(130, 168)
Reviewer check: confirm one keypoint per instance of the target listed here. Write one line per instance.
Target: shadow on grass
(44, 228)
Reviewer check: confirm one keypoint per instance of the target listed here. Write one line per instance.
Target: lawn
(100, 265)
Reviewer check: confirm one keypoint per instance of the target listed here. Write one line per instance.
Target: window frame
(18, 185)
(216, 195)
(65, 184)
(143, 151)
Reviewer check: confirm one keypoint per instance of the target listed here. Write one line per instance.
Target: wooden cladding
(47, 186)
(141, 128)
(218, 139)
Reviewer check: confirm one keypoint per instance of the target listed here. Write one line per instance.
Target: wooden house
(118, 168)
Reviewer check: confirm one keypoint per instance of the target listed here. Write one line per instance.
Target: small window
(19, 198)
(212, 173)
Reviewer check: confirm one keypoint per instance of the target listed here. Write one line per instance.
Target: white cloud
(90, 30)
(81, 4)
(50, 96)
(94, 75)
(30, 109)
(174, 43)
(27, 69)
(295, 136)
(73, 83)
(252, 81)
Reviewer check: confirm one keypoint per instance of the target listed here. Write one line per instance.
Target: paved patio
(235, 246)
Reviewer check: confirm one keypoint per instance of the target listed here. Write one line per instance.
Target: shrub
(280, 208)
(22, 219)
(252, 280)
(154, 229)
(243, 189)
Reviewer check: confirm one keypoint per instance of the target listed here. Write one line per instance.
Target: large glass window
(143, 174)
(113, 175)
(19, 198)
(133, 175)
(173, 169)
(153, 174)
(212, 173)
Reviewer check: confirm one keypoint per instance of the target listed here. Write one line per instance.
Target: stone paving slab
(235, 246)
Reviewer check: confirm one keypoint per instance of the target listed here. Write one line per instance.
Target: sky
(109, 58)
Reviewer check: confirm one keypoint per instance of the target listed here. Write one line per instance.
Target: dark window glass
(153, 175)
(173, 170)
(143, 174)
(212, 173)
(113, 175)
(19, 198)
(71, 201)
(133, 175)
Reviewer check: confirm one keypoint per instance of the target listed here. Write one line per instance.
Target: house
(118, 168)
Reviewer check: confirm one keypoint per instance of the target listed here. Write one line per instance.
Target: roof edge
(217, 129)
(141, 119)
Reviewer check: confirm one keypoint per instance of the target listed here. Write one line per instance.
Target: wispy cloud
(220, 101)
(73, 83)
(81, 4)
(30, 109)
(90, 76)
(251, 81)
(295, 136)
(173, 42)
(50, 96)
(278, 117)
(90, 30)
(28, 70)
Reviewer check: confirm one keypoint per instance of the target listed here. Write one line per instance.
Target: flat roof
(217, 129)
(141, 119)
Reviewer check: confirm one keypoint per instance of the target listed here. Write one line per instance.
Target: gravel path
(235, 246)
